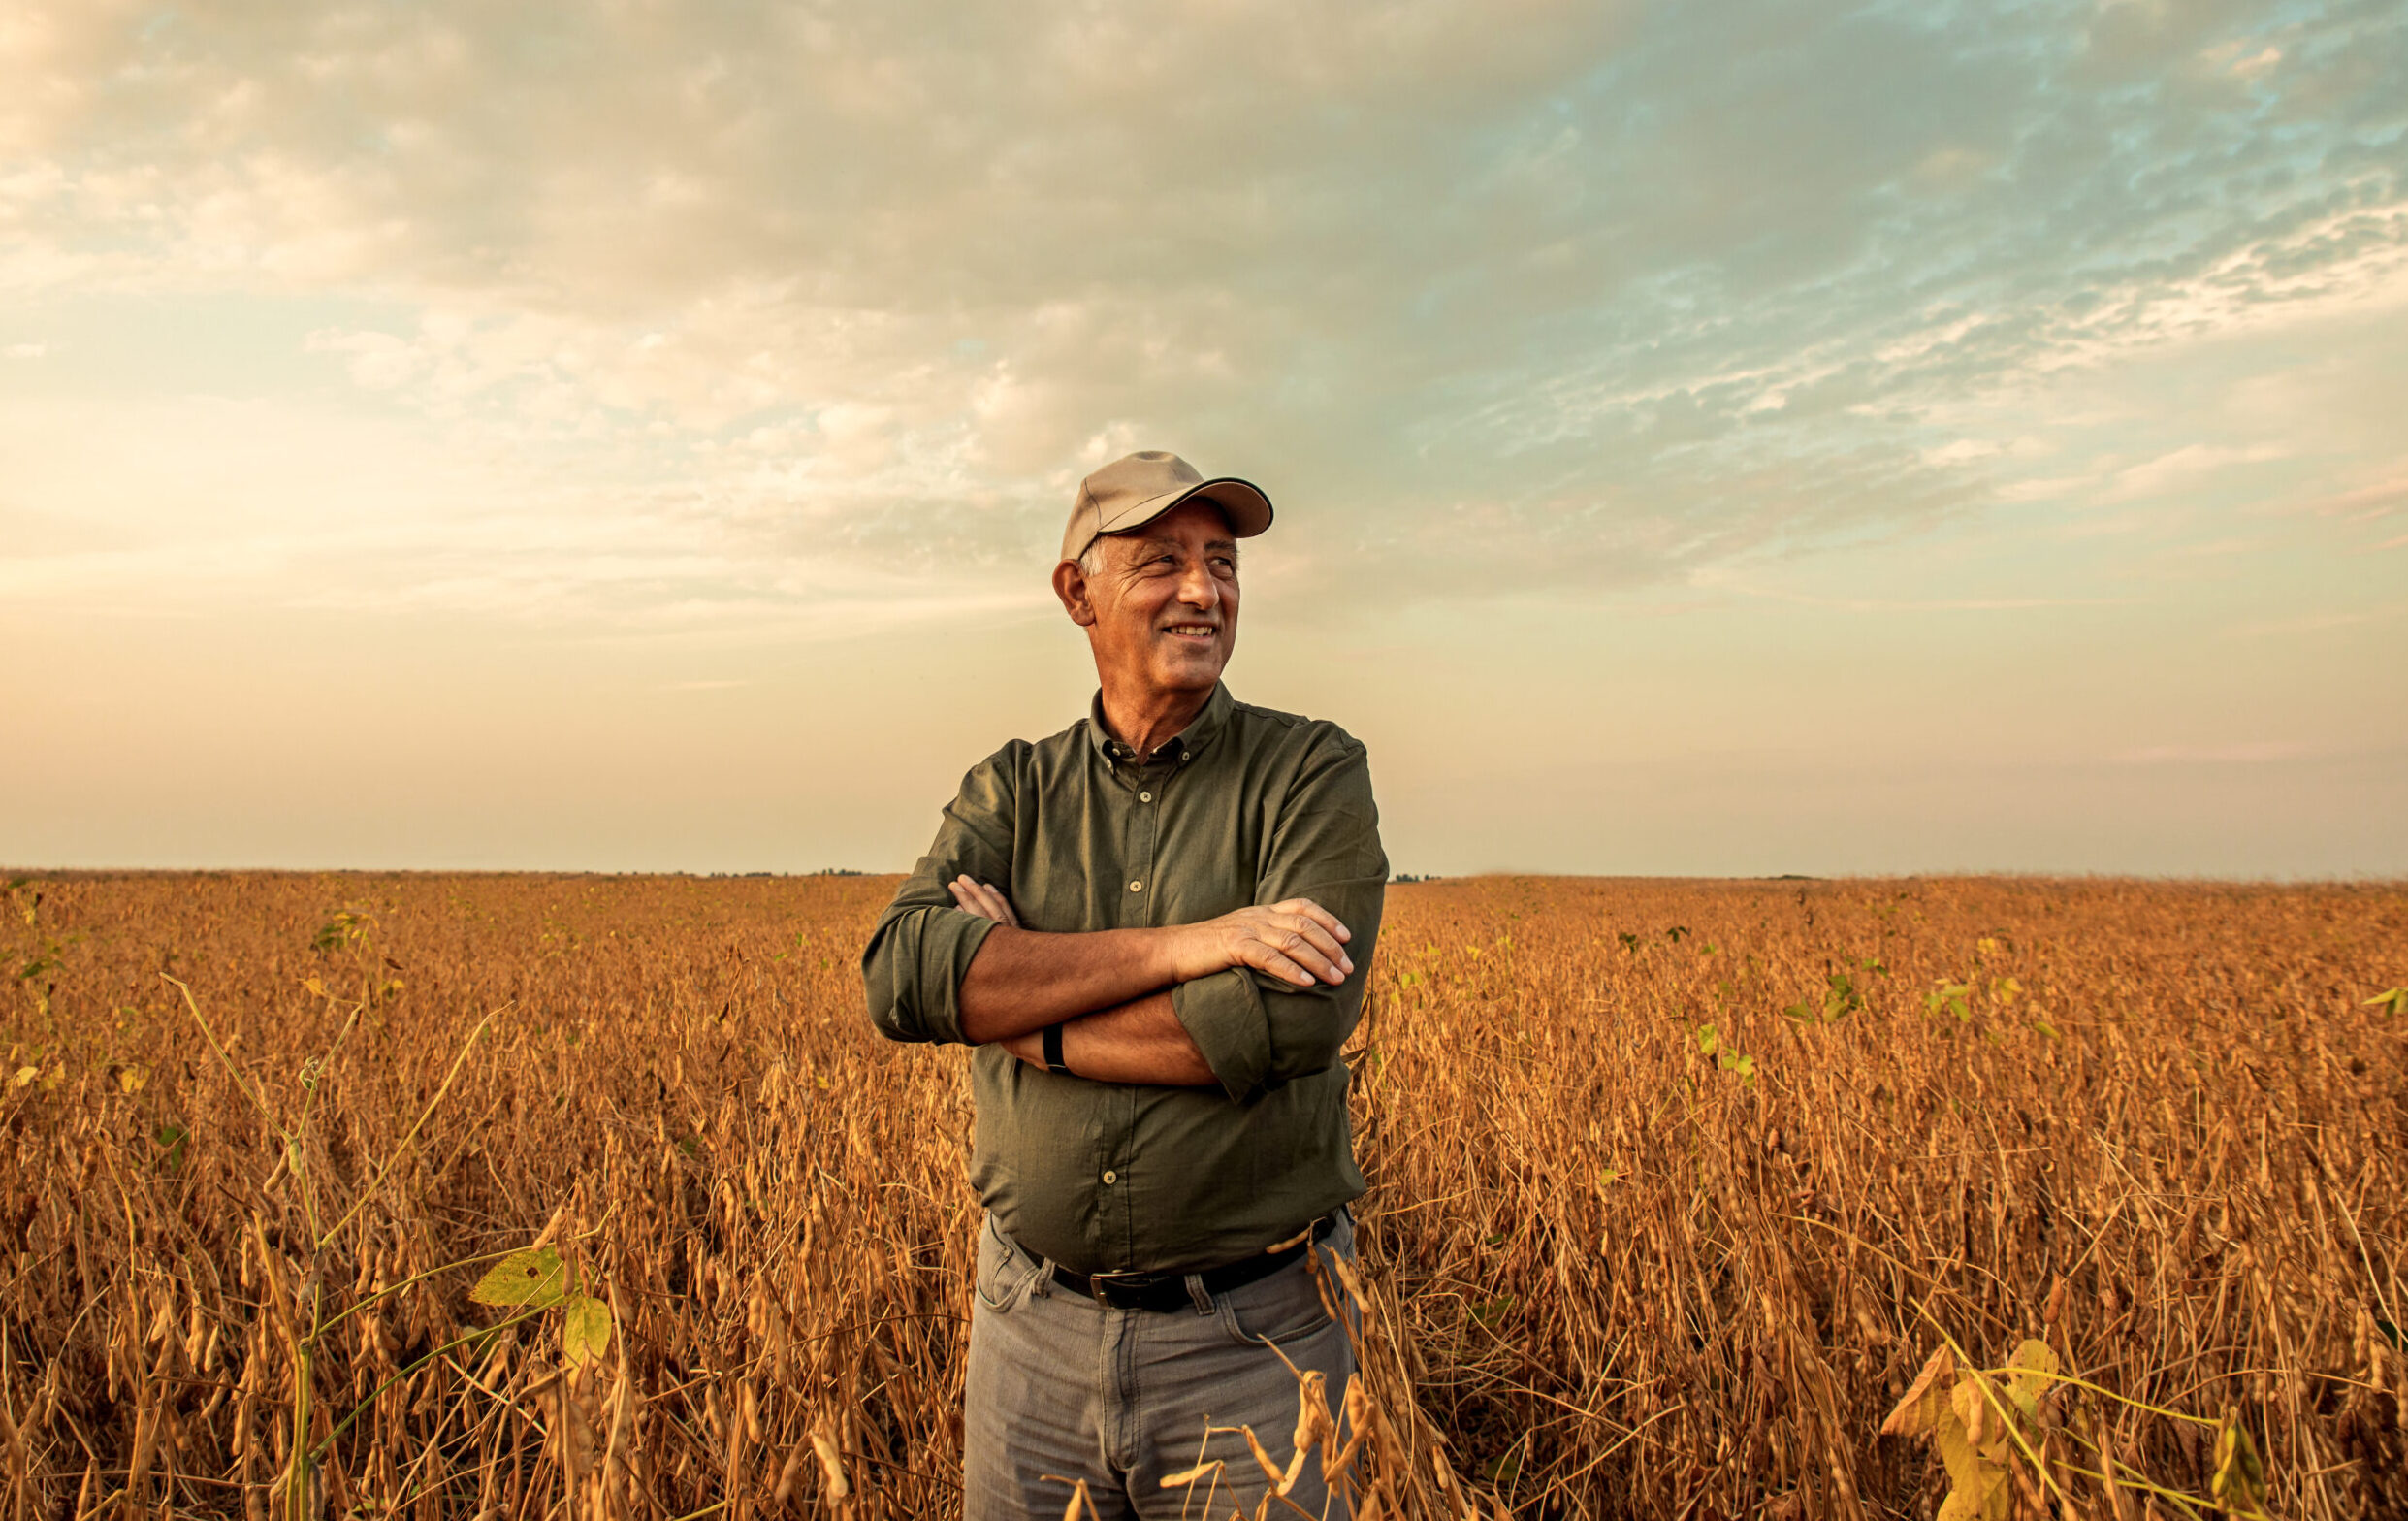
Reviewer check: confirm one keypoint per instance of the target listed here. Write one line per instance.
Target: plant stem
(395, 1161)
(358, 1410)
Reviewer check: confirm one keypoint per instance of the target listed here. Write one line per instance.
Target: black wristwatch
(1054, 1050)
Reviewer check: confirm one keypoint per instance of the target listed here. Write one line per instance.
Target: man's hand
(982, 899)
(1297, 940)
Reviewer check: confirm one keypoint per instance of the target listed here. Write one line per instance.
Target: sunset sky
(1707, 438)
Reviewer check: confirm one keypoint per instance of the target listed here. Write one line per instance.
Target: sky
(1720, 439)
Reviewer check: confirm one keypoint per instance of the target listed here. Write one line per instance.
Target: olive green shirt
(1248, 806)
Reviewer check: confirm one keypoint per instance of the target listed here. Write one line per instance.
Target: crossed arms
(1247, 1000)
(1110, 989)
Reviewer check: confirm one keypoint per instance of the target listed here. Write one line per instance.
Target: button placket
(1149, 826)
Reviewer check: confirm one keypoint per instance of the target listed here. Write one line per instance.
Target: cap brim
(1241, 502)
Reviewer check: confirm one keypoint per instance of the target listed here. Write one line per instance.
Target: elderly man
(1154, 927)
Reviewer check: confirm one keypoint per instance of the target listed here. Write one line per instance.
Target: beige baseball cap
(1137, 488)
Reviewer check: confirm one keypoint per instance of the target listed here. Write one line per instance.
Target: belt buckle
(1099, 1284)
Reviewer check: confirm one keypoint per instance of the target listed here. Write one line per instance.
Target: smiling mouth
(1191, 630)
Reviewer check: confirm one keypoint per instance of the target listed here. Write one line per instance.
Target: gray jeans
(1061, 1386)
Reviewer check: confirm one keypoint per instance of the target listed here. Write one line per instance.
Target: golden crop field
(1680, 1191)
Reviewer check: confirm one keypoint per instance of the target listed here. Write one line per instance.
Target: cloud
(2259, 752)
(2155, 477)
(1548, 294)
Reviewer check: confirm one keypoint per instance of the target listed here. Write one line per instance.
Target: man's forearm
(1142, 1041)
(1022, 981)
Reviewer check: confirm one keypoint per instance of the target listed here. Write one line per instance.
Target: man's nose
(1197, 588)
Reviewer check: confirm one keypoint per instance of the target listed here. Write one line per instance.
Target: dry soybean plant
(1796, 1199)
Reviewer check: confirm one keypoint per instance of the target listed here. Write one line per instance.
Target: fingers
(1314, 911)
(1296, 948)
(982, 899)
(1307, 942)
(1263, 957)
(1003, 906)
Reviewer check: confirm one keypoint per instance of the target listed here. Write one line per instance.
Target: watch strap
(1054, 1050)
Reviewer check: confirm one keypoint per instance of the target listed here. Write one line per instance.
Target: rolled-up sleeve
(1258, 1032)
(912, 967)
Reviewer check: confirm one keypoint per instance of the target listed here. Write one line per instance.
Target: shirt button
(1110, 1177)
(1146, 797)
(1136, 887)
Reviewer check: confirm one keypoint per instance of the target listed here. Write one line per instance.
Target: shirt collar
(1189, 743)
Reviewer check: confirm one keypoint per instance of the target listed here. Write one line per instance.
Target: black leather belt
(1169, 1291)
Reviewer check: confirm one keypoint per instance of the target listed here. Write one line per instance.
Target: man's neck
(1145, 720)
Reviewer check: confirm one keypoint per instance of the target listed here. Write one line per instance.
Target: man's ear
(1070, 584)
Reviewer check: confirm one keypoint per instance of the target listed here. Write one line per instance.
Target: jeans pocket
(1279, 1309)
(1004, 1270)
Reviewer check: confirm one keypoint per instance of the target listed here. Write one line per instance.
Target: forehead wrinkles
(1129, 548)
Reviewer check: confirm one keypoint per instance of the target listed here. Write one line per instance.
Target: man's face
(1161, 610)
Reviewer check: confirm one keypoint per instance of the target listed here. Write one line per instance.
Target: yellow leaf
(534, 1277)
(314, 986)
(1985, 1505)
(1980, 1491)
(2035, 1368)
(1970, 1456)
(25, 1075)
(1972, 1411)
(585, 1332)
(130, 1079)
(1927, 1400)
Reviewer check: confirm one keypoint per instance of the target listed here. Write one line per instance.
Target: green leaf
(533, 1277)
(2391, 1001)
(1503, 1468)
(1843, 999)
(585, 1331)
